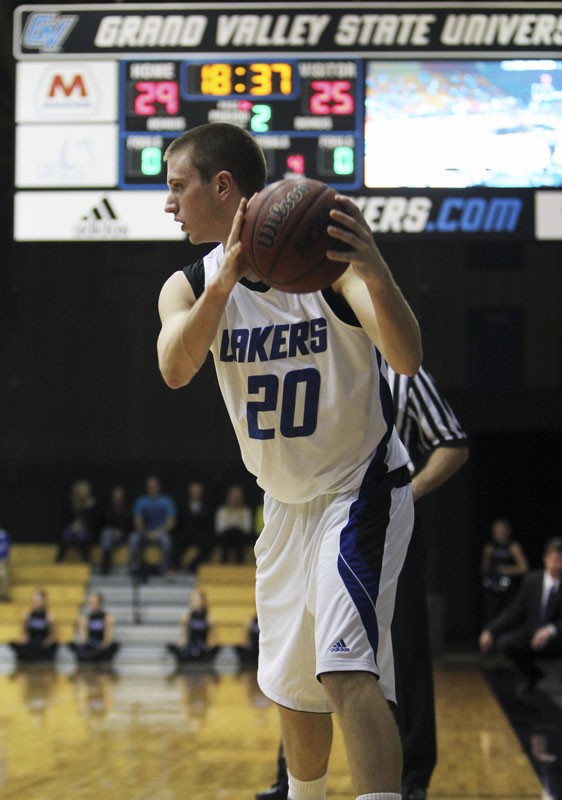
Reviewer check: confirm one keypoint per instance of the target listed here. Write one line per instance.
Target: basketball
(285, 239)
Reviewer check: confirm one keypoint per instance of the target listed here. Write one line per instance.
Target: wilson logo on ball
(285, 237)
(278, 213)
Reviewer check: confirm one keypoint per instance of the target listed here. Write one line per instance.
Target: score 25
(151, 92)
(331, 97)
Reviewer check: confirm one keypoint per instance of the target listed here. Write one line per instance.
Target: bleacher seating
(32, 567)
(230, 590)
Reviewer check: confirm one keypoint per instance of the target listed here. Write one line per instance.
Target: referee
(438, 448)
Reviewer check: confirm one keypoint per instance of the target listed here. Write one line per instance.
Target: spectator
(503, 565)
(154, 517)
(234, 525)
(83, 521)
(196, 632)
(38, 639)
(531, 626)
(95, 633)
(116, 528)
(197, 529)
(4, 564)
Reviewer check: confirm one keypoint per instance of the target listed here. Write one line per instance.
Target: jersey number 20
(300, 390)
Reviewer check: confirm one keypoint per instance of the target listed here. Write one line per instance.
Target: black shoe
(276, 792)
(413, 793)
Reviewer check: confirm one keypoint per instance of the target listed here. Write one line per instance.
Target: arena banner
(440, 120)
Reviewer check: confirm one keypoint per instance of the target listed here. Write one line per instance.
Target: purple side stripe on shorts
(363, 537)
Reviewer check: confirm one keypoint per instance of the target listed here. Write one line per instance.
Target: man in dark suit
(531, 626)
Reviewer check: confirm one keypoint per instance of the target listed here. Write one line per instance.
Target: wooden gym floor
(203, 736)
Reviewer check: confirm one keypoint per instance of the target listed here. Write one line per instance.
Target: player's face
(190, 200)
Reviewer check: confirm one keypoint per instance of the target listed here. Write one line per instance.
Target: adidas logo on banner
(339, 647)
(102, 211)
(101, 222)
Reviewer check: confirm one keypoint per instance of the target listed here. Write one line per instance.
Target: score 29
(331, 97)
(164, 93)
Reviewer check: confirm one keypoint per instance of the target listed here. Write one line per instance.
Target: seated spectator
(39, 639)
(197, 530)
(95, 633)
(4, 564)
(196, 632)
(154, 517)
(117, 525)
(502, 567)
(531, 626)
(83, 518)
(234, 525)
(249, 652)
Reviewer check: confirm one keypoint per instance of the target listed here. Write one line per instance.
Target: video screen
(463, 123)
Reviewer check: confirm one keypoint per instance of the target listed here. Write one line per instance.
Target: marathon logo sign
(201, 27)
(459, 214)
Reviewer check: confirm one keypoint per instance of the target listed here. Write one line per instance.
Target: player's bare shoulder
(176, 295)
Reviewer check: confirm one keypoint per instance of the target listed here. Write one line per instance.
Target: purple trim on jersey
(387, 403)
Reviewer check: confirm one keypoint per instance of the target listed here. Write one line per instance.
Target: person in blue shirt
(154, 517)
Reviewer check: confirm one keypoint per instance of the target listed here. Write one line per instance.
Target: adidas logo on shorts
(339, 647)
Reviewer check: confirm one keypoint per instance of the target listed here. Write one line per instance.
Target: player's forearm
(398, 329)
(186, 338)
(440, 466)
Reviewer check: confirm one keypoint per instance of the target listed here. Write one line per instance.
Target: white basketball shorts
(325, 586)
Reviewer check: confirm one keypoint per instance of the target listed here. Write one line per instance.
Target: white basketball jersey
(307, 393)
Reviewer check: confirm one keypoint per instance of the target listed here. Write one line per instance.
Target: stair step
(147, 593)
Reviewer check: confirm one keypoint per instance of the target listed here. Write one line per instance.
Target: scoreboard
(441, 121)
(306, 114)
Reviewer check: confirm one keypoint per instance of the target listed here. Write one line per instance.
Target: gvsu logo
(477, 215)
(48, 32)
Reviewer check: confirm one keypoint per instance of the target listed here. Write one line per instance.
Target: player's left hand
(352, 230)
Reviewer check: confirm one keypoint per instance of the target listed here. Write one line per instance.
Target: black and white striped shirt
(424, 419)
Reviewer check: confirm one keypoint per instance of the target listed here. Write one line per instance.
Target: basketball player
(309, 399)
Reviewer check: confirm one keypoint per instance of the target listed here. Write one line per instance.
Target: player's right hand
(234, 265)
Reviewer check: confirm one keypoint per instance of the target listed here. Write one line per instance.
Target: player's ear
(224, 184)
